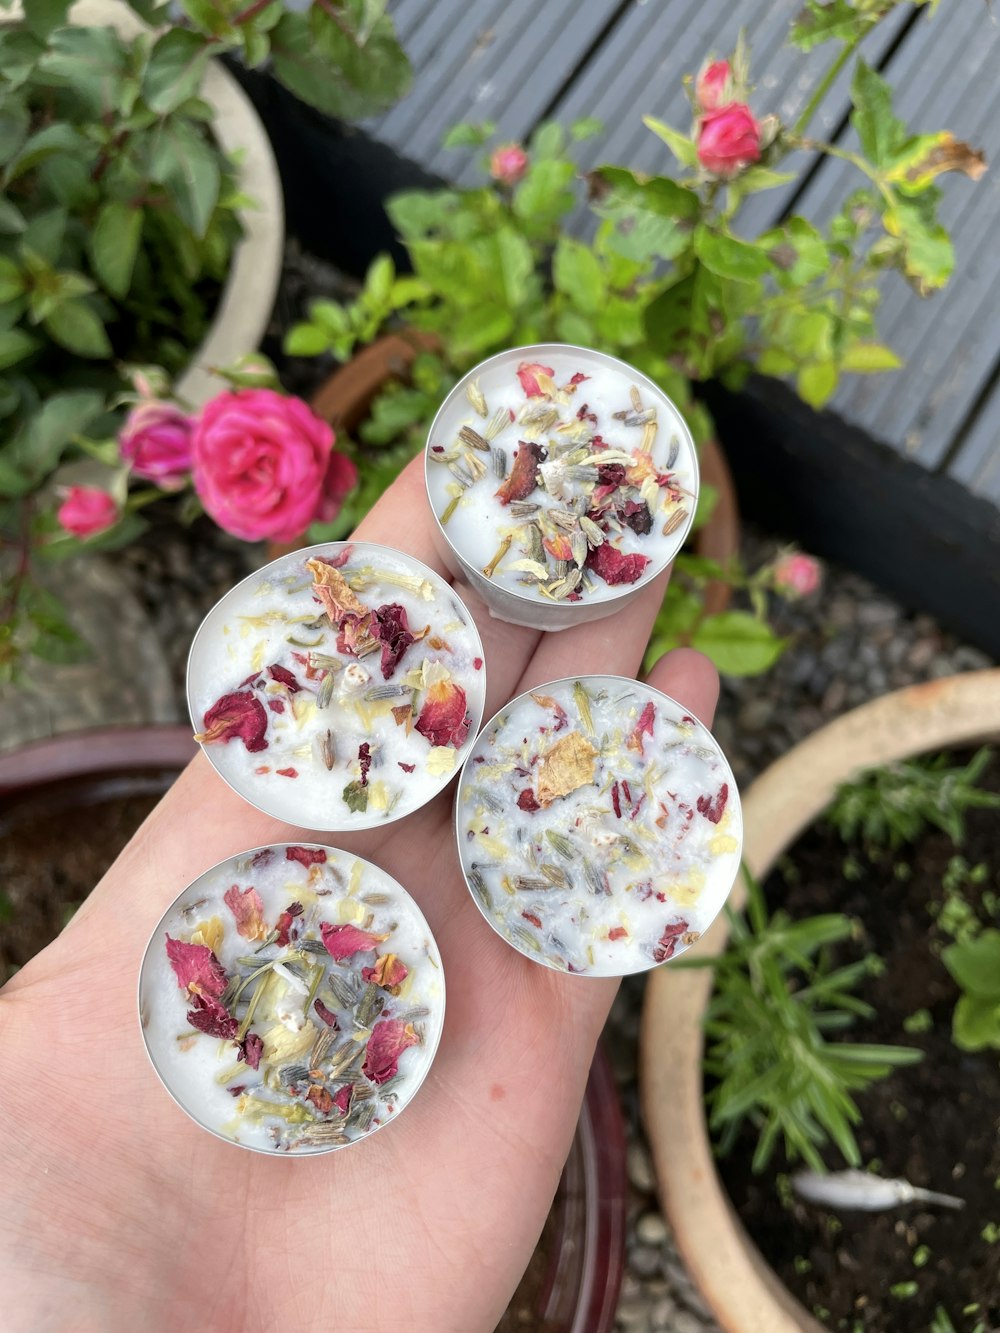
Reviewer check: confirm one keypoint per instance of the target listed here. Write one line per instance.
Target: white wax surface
(338, 892)
(251, 629)
(479, 523)
(609, 886)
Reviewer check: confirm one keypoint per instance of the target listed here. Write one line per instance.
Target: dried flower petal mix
(324, 687)
(316, 1033)
(580, 483)
(598, 826)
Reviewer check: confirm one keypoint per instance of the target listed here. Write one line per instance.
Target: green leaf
(573, 327)
(878, 129)
(175, 70)
(11, 279)
(648, 218)
(728, 257)
(754, 179)
(12, 221)
(326, 66)
(479, 331)
(15, 345)
(826, 20)
(41, 442)
(114, 244)
(52, 139)
(14, 125)
(517, 265)
(188, 167)
(548, 141)
(975, 964)
(927, 255)
(684, 149)
(544, 194)
(418, 212)
(55, 640)
(306, 340)
(41, 17)
(868, 358)
(738, 643)
(356, 797)
(817, 383)
(92, 62)
(577, 274)
(77, 327)
(587, 127)
(44, 234)
(797, 252)
(468, 136)
(975, 1024)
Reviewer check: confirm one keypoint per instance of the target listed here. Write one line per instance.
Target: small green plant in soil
(891, 807)
(975, 965)
(777, 996)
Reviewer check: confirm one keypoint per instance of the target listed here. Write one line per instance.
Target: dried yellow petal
(569, 764)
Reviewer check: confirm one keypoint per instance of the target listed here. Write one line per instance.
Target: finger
(691, 679)
(612, 646)
(507, 650)
(402, 518)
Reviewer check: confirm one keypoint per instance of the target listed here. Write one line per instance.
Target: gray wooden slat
(942, 76)
(487, 61)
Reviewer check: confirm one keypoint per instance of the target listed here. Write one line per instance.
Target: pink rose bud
(508, 164)
(341, 478)
(86, 511)
(728, 139)
(797, 575)
(713, 86)
(260, 461)
(156, 440)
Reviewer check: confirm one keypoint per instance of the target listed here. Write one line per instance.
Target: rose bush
(260, 461)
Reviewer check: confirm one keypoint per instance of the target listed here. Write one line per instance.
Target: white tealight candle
(292, 998)
(599, 826)
(562, 480)
(339, 687)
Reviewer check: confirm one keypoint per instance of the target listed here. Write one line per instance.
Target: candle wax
(565, 480)
(598, 826)
(349, 1009)
(338, 695)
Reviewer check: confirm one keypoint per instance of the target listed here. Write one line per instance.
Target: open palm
(119, 1213)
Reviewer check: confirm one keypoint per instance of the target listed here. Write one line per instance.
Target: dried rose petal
(248, 910)
(713, 807)
(614, 566)
(523, 474)
(558, 546)
(636, 516)
(407, 768)
(668, 941)
(611, 474)
(618, 933)
(403, 716)
(287, 772)
(285, 677)
(327, 1015)
(527, 801)
(535, 920)
(276, 705)
(320, 1098)
(365, 760)
(528, 372)
(196, 968)
(345, 941)
(577, 378)
(251, 1048)
(616, 801)
(389, 972)
(284, 924)
(389, 1039)
(333, 591)
(211, 1016)
(392, 631)
(306, 856)
(644, 727)
(235, 715)
(342, 1098)
(443, 719)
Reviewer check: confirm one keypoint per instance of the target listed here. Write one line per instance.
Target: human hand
(120, 1213)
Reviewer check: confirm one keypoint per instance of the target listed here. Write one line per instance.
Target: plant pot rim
(251, 286)
(94, 752)
(741, 1289)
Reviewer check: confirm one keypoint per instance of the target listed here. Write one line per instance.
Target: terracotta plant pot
(344, 400)
(576, 1279)
(742, 1291)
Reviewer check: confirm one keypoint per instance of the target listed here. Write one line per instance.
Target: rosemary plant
(778, 999)
(892, 806)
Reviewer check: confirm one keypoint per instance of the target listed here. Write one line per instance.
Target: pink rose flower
(508, 164)
(259, 461)
(341, 478)
(796, 574)
(86, 511)
(713, 84)
(156, 440)
(728, 139)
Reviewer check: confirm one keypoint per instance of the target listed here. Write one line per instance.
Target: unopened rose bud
(728, 140)
(508, 164)
(714, 85)
(797, 574)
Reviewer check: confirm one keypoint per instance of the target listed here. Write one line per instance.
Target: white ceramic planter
(743, 1292)
(248, 295)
